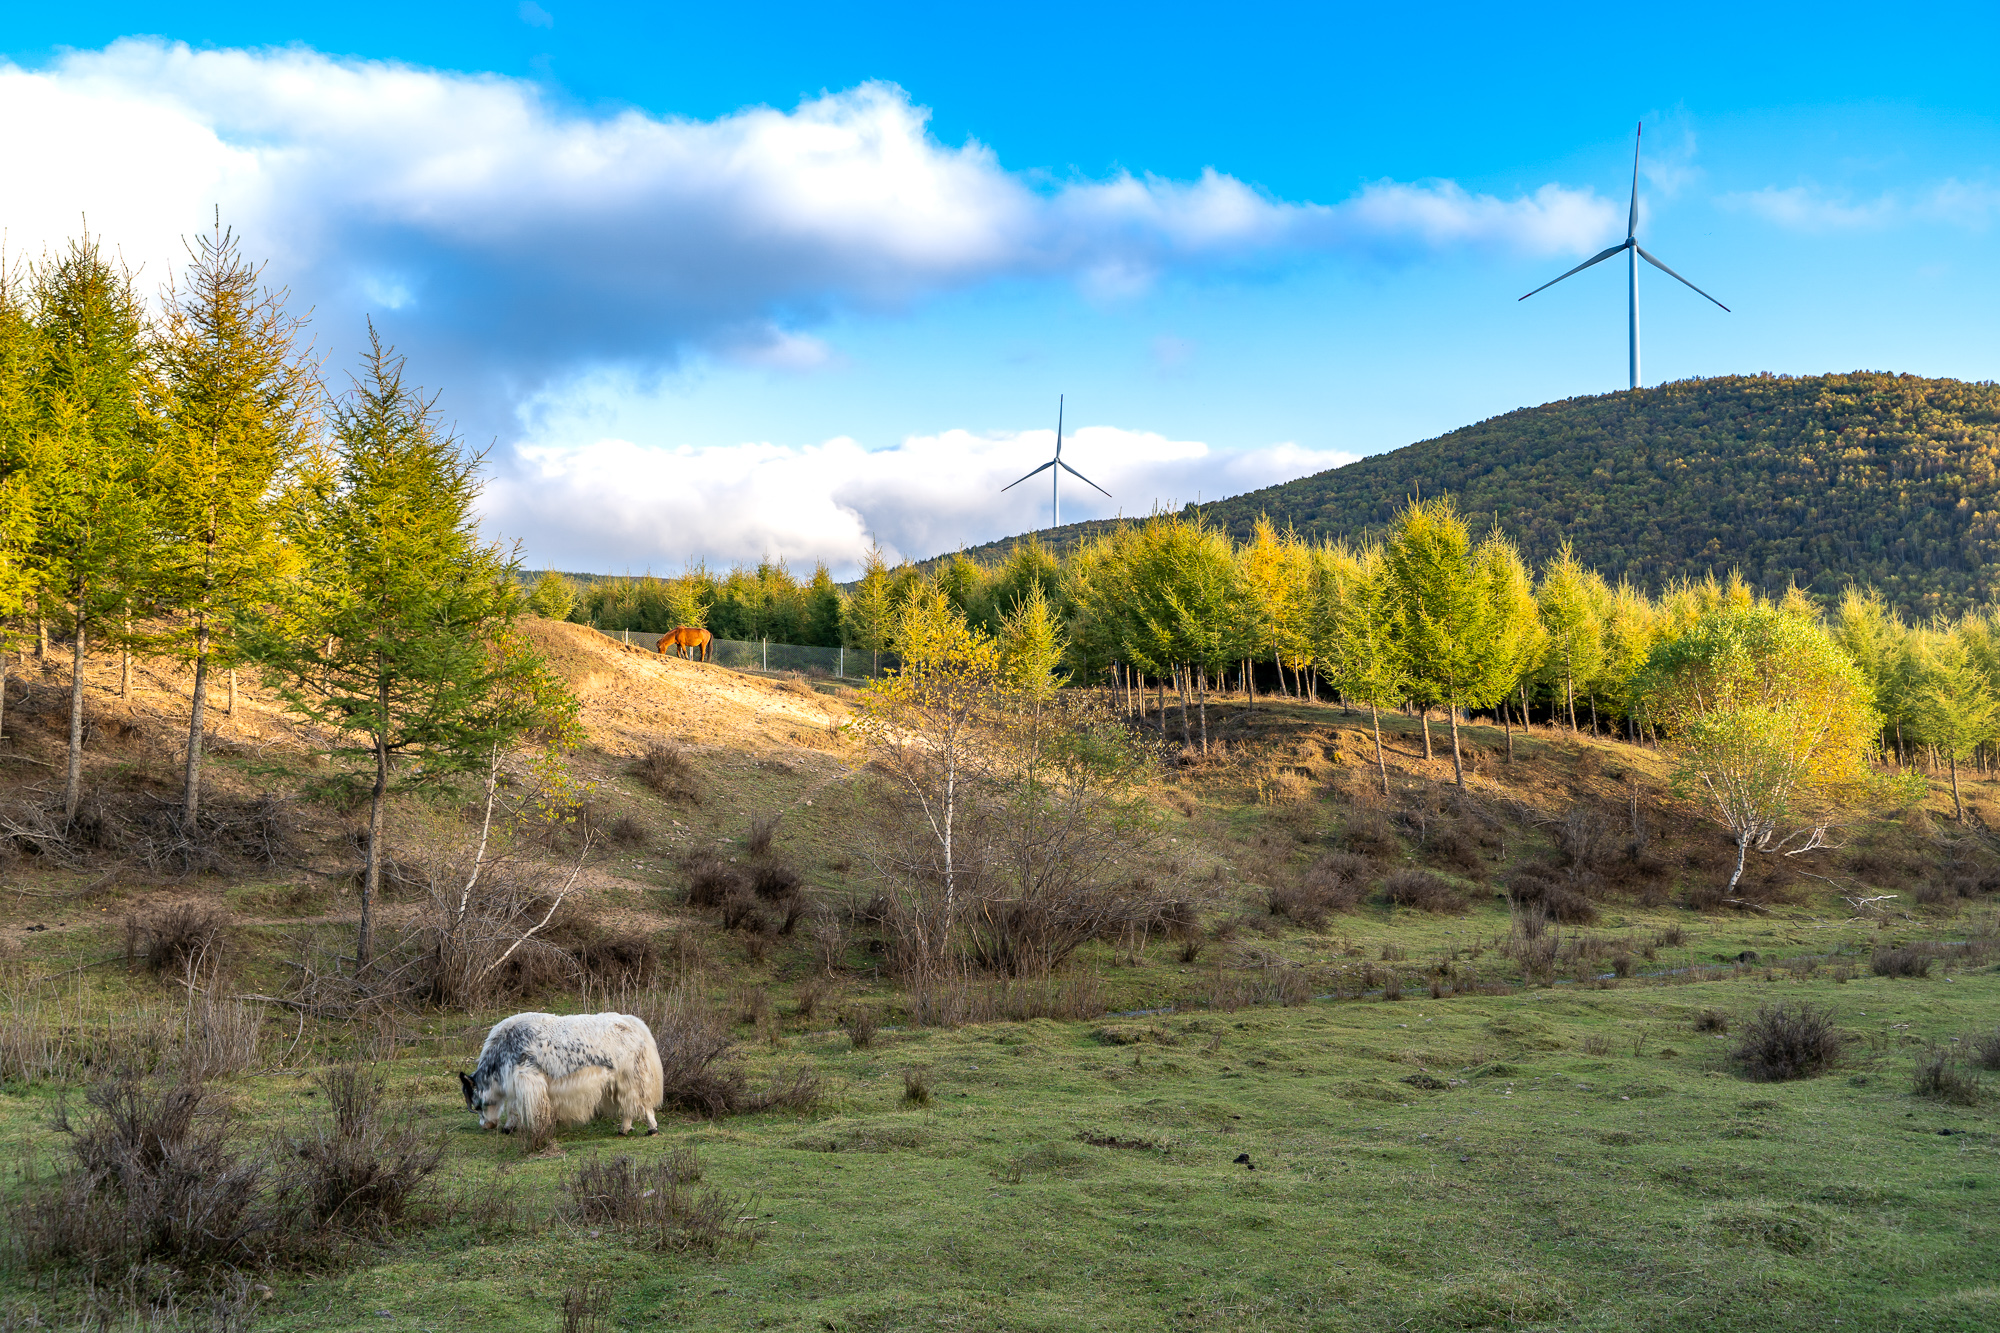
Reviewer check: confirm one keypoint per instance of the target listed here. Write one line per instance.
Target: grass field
(1247, 1152)
(1556, 1159)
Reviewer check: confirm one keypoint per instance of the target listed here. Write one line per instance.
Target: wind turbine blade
(1059, 408)
(1617, 249)
(1043, 468)
(1086, 481)
(1632, 222)
(1675, 276)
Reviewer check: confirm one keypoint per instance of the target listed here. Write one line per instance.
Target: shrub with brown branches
(187, 938)
(1424, 892)
(358, 1170)
(1789, 1041)
(670, 771)
(659, 1203)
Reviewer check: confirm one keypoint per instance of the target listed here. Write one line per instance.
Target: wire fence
(777, 658)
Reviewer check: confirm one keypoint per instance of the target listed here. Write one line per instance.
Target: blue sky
(721, 282)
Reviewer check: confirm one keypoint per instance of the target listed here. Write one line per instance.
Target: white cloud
(1969, 204)
(528, 239)
(614, 504)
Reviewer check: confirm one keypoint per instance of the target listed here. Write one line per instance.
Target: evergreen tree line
(176, 482)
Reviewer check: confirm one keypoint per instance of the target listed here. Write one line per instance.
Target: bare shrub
(1986, 1050)
(829, 942)
(1032, 933)
(1711, 1021)
(227, 835)
(1368, 833)
(670, 772)
(1789, 1041)
(185, 938)
(1534, 941)
(917, 1086)
(860, 1023)
(695, 1058)
(711, 880)
(1555, 897)
(218, 1037)
(1424, 892)
(1938, 1077)
(659, 1203)
(1190, 950)
(1909, 960)
(154, 1176)
(1336, 882)
(625, 831)
(586, 1308)
(358, 1170)
(763, 828)
(1067, 995)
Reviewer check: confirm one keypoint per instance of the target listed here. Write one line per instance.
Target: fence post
(628, 638)
(767, 654)
(842, 670)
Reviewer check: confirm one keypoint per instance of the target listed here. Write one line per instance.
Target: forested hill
(1882, 479)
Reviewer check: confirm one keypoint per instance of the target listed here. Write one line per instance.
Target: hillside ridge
(1891, 480)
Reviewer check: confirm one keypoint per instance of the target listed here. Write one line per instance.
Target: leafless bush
(917, 1086)
(659, 1203)
(860, 1024)
(1336, 882)
(763, 828)
(829, 941)
(1026, 934)
(1555, 895)
(699, 1075)
(1424, 892)
(1788, 1041)
(1072, 994)
(586, 1308)
(358, 1171)
(1711, 1021)
(1909, 960)
(1534, 942)
(219, 1037)
(625, 831)
(174, 941)
(1938, 1077)
(154, 1176)
(669, 771)
(1985, 1050)
(1369, 833)
(711, 880)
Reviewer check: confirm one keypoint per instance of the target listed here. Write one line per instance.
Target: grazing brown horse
(686, 641)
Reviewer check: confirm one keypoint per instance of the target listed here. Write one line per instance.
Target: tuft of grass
(358, 1171)
(1985, 1050)
(1789, 1041)
(917, 1086)
(1711, 1020)
(186, 938)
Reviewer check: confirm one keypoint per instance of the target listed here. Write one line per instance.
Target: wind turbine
(1634, 252)
(1055, 476)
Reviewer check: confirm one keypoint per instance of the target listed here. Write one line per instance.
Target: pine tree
(238, 400)
(1571, 610)
(396, 633)
(1954, 706)
(18, 339)
(1354, 634)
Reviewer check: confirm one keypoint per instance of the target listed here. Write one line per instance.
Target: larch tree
(18, 338)
(1462, 646)
(1769, 722)
(85, 456)
(395, 632)
(1954, 707)
(1354, 634)
(237, 396)
(867, 619)
(1571, 607)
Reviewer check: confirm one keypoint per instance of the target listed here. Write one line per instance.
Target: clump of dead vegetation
(660, 1203)
(670, 772)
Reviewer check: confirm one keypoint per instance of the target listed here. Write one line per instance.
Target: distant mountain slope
(1828, 479)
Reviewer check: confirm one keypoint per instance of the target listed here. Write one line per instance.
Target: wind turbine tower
(1633, 252)
(1055, 467)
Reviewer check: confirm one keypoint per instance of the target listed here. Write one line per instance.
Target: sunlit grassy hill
(1822, 480)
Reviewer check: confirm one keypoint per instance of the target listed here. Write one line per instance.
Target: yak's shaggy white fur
(537, 1071)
